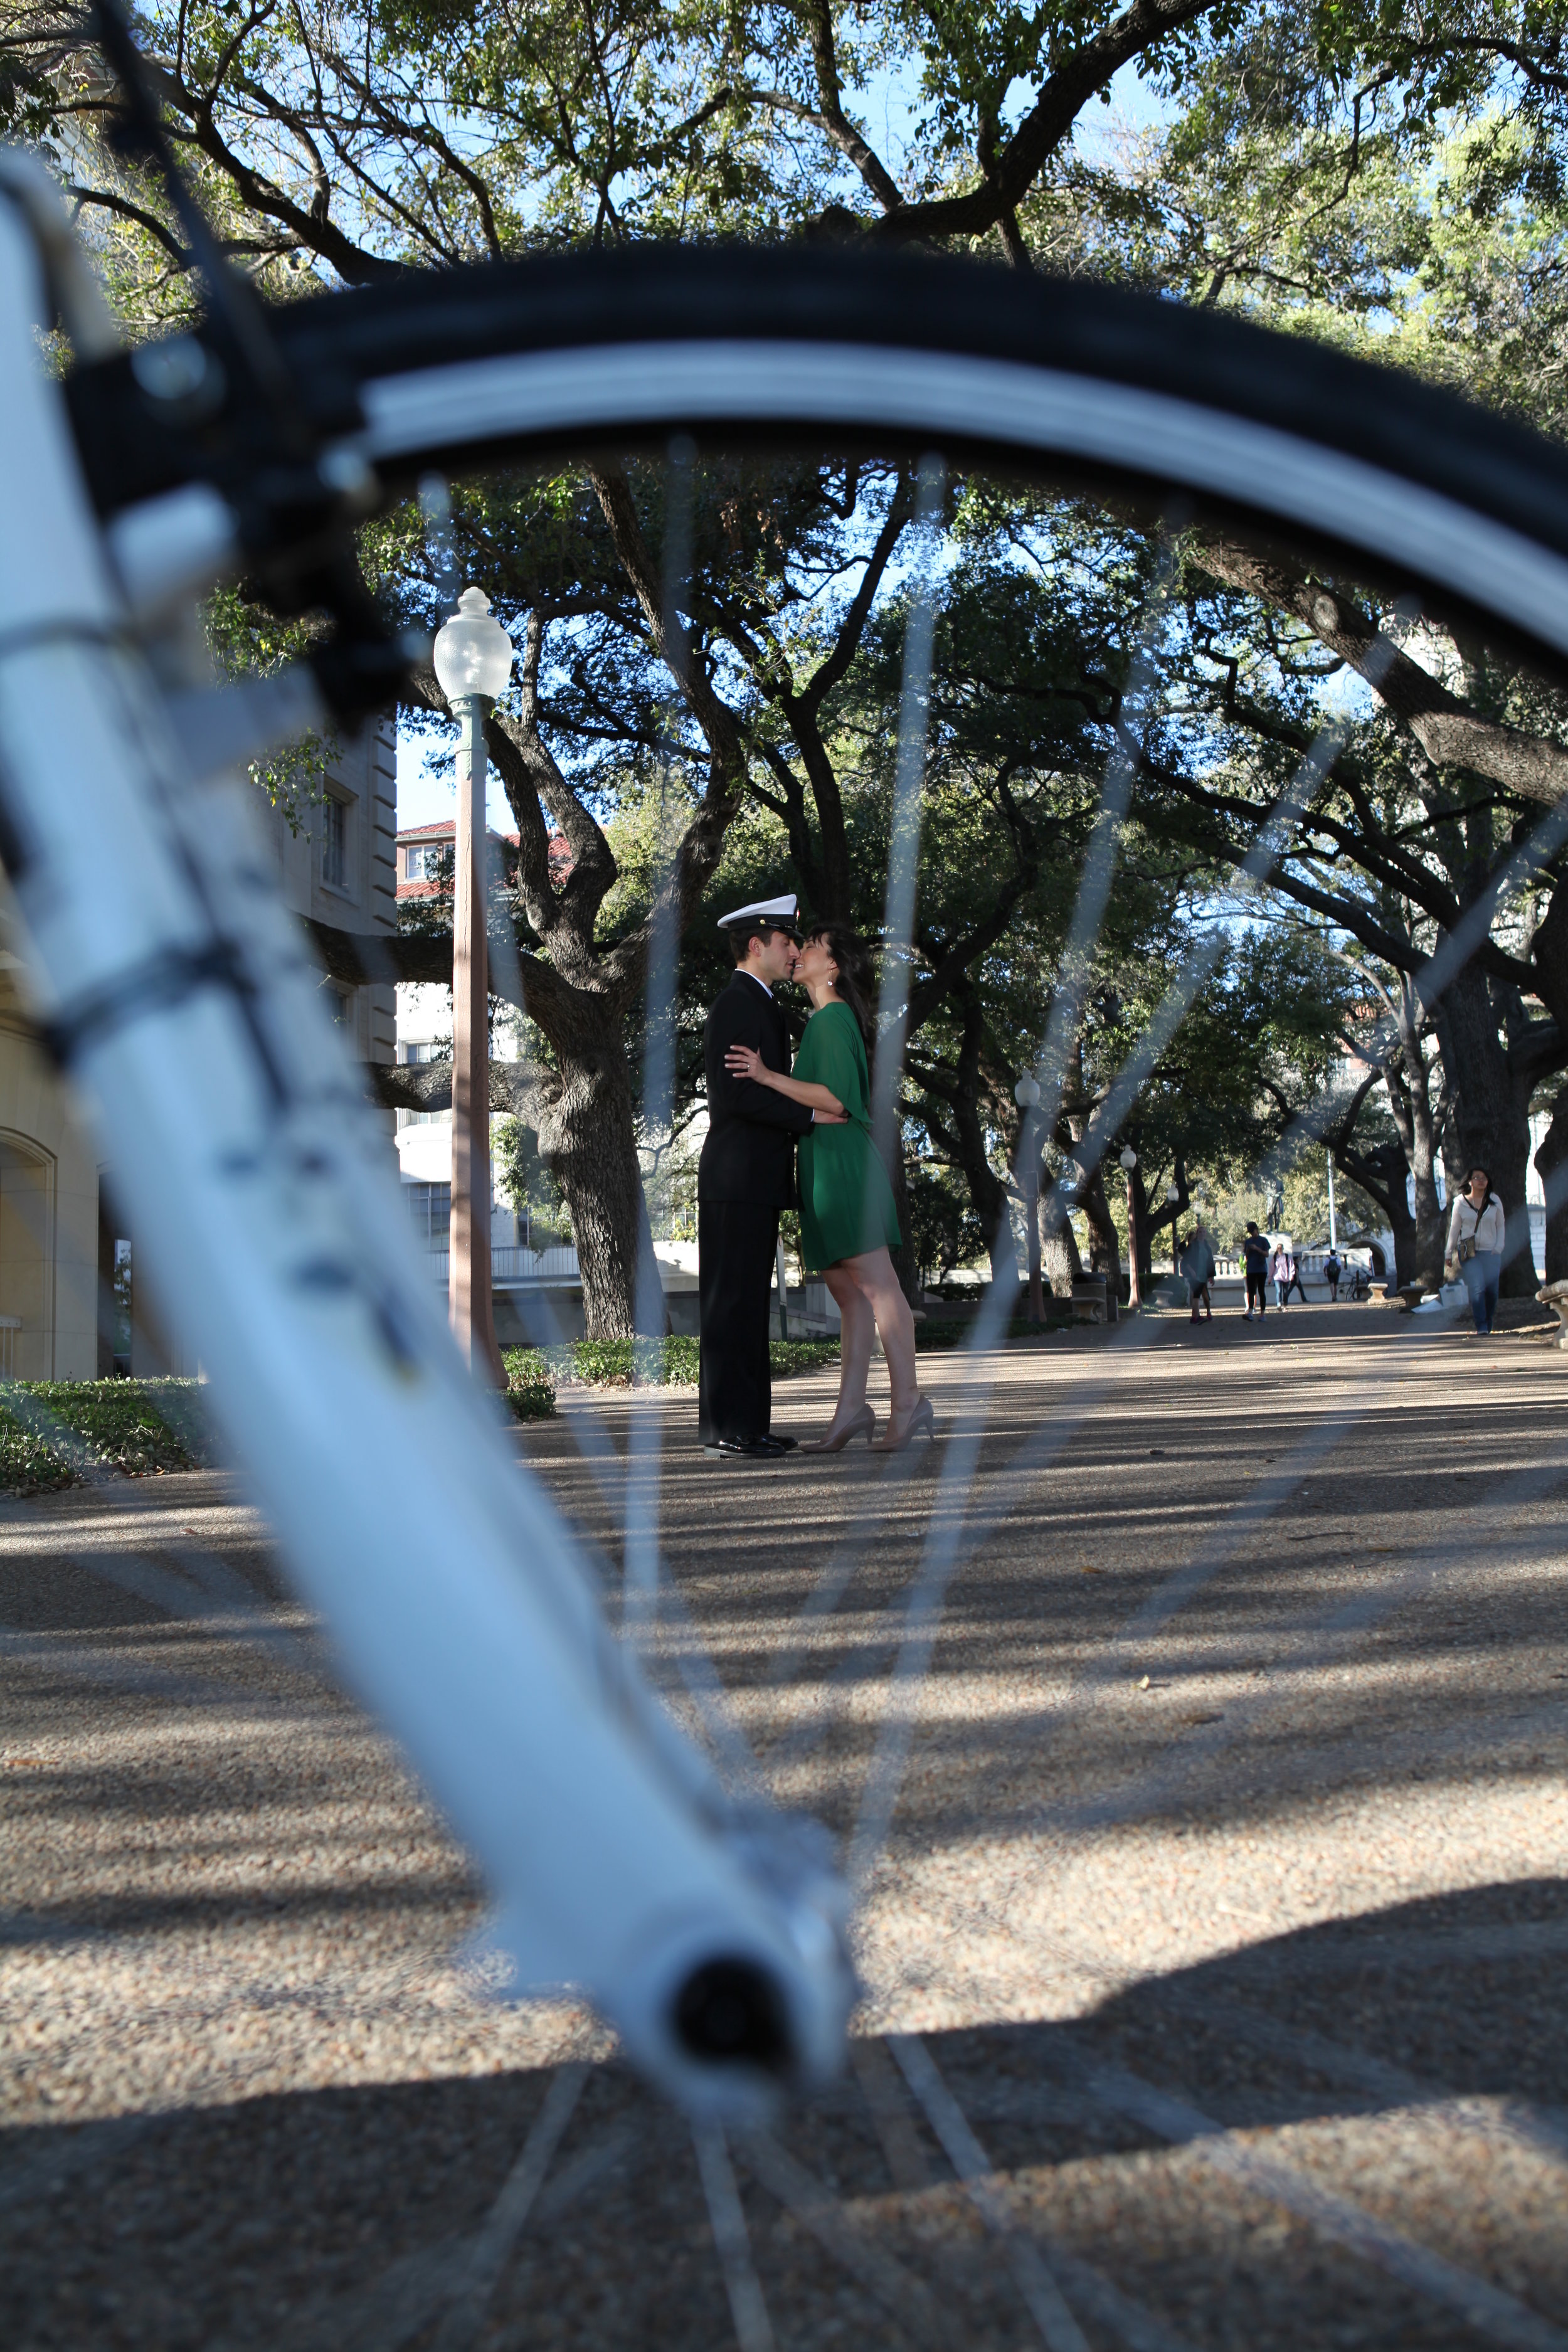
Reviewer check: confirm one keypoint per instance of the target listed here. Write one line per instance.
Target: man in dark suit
(745, 1176)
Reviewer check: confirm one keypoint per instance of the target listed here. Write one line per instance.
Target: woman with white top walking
(1282, 1272)
(1475, 1247)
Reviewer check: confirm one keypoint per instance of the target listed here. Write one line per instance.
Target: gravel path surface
(1214, 1966)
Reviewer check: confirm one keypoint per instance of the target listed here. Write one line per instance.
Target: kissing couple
(757, 1109)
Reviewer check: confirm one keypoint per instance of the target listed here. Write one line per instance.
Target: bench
(1555, 1296)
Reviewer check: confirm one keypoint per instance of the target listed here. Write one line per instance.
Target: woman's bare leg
(857, 1326)
(872, 1275)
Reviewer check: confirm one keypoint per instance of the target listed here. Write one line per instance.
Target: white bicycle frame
(177, 992)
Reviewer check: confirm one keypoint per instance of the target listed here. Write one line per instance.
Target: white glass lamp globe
(1128, 1159)
(473, 652)
(1172, 1192)
(1027, 1092)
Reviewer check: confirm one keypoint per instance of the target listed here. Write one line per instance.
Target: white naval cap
(779, 913)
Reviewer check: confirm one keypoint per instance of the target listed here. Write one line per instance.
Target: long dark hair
(1478, 1171)
(853, 957)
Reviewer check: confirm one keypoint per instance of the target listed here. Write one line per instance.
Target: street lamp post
(1026, 1095)
(1129, 1161)
(473, 663)
(1172, 1201)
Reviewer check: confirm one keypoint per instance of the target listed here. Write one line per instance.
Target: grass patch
(137, 1427)
(662, 1363)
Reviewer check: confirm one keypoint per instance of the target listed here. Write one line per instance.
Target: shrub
(531, 1384)
(660, 1363)
(139, 1427)
(670, 1362)
(954, 1330)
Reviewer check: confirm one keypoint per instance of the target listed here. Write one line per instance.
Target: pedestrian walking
(1255, 1266)
(1280, 1272)
(1295, 1282)
(1332, 1270)
(1474, 1247)
(1197, 1264)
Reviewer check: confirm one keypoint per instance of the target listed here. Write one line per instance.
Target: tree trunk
(1058, 1242)
(1551, 1165)
(904, 1257)
(1492, 1114)
(1063, 1265)
(587, 1139)
(1384, 1173)
(1104, 1247)
(988, 1195)
(1408, 1085)
(1151, 1222)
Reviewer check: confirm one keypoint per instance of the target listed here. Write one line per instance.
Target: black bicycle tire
(1427, 487)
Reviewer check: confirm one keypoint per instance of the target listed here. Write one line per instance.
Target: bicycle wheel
(1393, 502)
(1078, 382)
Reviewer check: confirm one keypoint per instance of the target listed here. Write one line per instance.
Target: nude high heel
(860, 1424)
(921, 1422)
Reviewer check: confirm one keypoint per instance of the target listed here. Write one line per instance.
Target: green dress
(845, 1200)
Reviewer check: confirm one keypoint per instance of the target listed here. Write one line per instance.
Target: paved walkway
(1214, 1966)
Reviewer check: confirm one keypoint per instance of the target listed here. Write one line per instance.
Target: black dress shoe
(777, 1437)
(747, 1449)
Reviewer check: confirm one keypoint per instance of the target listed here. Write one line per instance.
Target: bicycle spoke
(498, 2234)
(1043, 2298)
(646, 1440)
(905, 824)
(817, 2210)
(753, 2329)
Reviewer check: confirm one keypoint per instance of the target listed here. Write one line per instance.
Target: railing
(1231, 1269)
(510, 1263)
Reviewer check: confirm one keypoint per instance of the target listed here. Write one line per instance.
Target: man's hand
(831, 1118)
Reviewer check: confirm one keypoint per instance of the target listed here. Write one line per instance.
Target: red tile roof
(413, 836)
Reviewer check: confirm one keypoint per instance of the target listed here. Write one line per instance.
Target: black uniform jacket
(749, 1154)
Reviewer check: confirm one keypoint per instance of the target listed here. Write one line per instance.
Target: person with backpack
(1255, 1266)
(1474, 1247)
(1332, 1270)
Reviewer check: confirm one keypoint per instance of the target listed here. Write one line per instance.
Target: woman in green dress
(847, 1213)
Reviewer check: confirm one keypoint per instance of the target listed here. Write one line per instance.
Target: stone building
(62, 1244)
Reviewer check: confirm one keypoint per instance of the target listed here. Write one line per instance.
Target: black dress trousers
(736, 1241)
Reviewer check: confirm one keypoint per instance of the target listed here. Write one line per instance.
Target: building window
(430, 1206)
(339, 1003)
(422, 861)
(334, 846)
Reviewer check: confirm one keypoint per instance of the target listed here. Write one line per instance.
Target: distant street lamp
(1130, 1161)
(1026, 1095)
(473, 663)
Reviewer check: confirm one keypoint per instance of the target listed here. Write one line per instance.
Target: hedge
(664, 1364)
(138, 1427)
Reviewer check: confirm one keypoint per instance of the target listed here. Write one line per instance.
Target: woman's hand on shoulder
(745, 1062)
